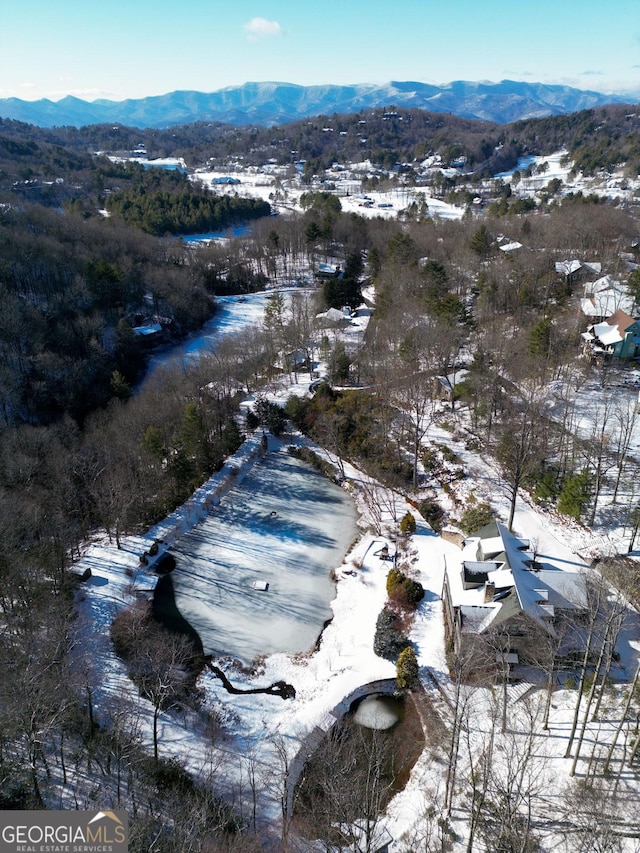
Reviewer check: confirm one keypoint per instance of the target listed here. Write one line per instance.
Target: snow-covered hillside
(263, 731)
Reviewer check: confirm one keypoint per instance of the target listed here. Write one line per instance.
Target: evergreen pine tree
(407, 669)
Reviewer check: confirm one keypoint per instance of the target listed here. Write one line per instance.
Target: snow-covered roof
(329, 269)
(151, 329)
(539, 591)
(613, 329)
(491, 545)
(489, 591)
(572, 266)
(562, 590)
(332, 314)
(605, 296)
(477, 618)
(605, 282)
(588, 307)
(451, 379)
(568, 267)
(607, 334)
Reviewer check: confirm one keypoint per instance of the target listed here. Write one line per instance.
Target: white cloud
(516, 74)
(259, 28)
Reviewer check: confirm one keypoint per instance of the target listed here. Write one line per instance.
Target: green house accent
(618, 335)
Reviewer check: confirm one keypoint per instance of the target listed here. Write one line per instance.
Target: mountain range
(278, 103)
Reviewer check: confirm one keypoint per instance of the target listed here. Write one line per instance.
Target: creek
(233, 314)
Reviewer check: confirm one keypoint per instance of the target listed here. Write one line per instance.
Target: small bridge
(313, 740)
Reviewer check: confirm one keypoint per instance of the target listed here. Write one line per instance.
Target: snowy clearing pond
(254, 578)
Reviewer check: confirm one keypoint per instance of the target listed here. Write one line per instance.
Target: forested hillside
(88, 257)
(182, 208)
(595, 139)
(72, 292)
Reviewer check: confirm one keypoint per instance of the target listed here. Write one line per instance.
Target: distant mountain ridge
(278, 103)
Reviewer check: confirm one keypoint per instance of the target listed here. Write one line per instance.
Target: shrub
(404, 589)
(270, 415)
(413, 591)
(312, 458)
(473, 445)
(546, 484)
(17, 789)
(476, 516)
(169, 774)
(231, 437)
(575, 495)
(449, 455)
(388, 641)
(253, 421)
(395, 578)
(407, 669)
(430, 460)
(432, 513)
(127, 628)
(296, 410)
(388, 469)
(407, 524)
(407, 593)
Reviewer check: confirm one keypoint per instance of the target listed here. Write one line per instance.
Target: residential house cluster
(609, 307)
(613, 331)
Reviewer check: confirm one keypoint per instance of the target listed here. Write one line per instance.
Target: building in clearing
(509, 604)
(603, 297)
(574, 270)
(616, 337)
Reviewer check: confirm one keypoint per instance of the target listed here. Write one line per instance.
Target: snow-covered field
(285, 195)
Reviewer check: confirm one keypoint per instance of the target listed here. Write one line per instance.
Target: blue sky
(121, 49)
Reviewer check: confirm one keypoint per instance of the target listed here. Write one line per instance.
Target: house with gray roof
(509, 603)
(574, 270)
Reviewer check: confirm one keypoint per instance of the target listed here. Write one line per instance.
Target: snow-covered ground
(285, 194)
(282, 188)
(558, 166)
(257, 726)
